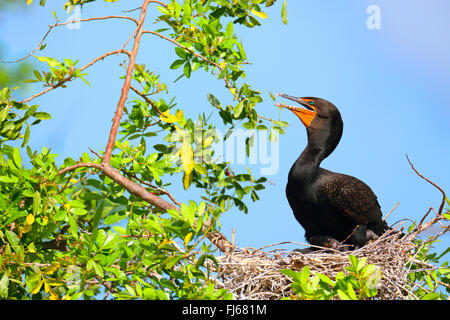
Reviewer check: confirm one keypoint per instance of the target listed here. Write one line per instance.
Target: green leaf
(114, 218)
(177, 63)
(187, 69)
(42, 115)
(26, 136)
(120, 229)
(13, 240)
(4, 114)
(16, 158)
(181, 53)
(73, 227)
(238, 109)
(149, 293)
(172, 261)
(188, 213)
(163, 10)
(78, 211)
(36, 202)
(213, 100)
(430, 296)
(200, 168)
(97, 268)
(174, 214)
(284, 13)
(229, 30)
(342, 295)
(37, 75)
(351, 292)
(4, 282)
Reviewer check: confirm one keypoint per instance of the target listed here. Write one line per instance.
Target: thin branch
(159, 2)
(70, 77)
(439, 216)
(184, 47)
(96, 153)
(431, 182)
(154, 106)
(94, 19)
(65, 23)
(81, 165)
(38, 46)
(392, 210)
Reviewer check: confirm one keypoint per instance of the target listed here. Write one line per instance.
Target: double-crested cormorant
(332, 207)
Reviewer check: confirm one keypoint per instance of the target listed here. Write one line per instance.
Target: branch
(154, 106)
(432, 183)
(70, 78)
(184, 47)
(439, 216)
(126, 86)
(93, 19)
(216, 237)
(28, 55)
(65, 23)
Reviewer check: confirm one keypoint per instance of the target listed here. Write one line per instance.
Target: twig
(94, 19)
(152, 104)
(65, 23)
(184, 47)
(392, 210)
(70, 77)
(28, 55)
(99, 156)
(431, 182)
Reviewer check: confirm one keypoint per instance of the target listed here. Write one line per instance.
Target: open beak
(305, 115)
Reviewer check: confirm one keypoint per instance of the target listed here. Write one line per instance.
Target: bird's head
(321, 118)
(316, 111)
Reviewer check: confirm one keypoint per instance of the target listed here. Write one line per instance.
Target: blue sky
(391, 86)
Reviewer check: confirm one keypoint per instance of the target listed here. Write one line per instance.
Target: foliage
(433, 281)
(75, 232)
(360, 282)
(79, 231)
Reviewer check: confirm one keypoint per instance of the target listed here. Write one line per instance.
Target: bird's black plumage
(331, 207)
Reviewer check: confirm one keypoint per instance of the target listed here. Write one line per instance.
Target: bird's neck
(307, 165)
(310, 159)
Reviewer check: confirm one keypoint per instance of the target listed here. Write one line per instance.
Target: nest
(254, 274)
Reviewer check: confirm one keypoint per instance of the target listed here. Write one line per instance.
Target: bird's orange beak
(305, 115)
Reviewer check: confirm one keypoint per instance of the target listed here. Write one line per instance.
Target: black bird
(332, 207)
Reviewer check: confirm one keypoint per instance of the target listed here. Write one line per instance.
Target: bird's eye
(311, 103)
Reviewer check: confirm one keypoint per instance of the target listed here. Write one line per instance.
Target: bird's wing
(349, 196)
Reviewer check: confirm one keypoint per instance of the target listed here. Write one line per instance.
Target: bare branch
(94, 19)
(66, 23)
(439, 216)
(432, 183)
(126, 86)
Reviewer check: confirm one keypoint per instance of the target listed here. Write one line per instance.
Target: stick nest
(254, 274)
